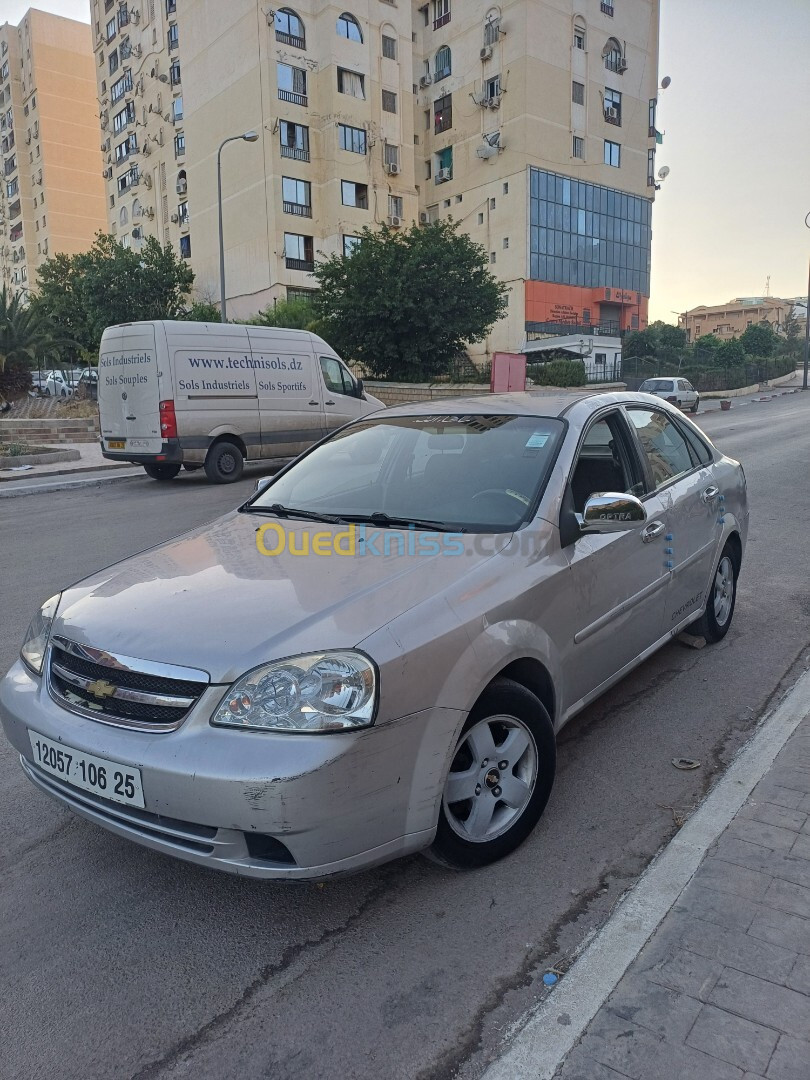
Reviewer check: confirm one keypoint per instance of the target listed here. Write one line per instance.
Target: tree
(668, 336)
(639, 343)
(25, 334)
(405, 301)
(705, 349)
(202, 311)
(758, 340)
(110, 284)
(297, 314)
(731, 353)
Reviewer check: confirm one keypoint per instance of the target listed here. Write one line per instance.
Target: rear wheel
(224, 463)
(162, 472)
(714, 624)
(500, 778)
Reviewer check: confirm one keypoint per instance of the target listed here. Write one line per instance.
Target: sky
(736, 123)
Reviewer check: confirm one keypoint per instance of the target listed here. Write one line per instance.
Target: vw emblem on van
(124, 396)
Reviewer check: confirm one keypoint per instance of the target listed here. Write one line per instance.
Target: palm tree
(25, 333)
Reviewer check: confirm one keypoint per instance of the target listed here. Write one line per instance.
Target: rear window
(655, 386)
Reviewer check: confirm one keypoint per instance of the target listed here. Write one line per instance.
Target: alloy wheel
(723, 590)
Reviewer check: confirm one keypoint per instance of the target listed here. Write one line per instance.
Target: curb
(65, 472)
(66, 484)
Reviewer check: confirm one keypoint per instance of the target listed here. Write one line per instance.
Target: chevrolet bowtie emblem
(101, 689)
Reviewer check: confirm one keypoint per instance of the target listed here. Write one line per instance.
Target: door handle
(329, 403)
(710, 493)
(655, 528)
(314, 403)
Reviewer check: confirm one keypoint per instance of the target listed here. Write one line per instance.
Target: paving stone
(579, 1066)
(788, 896)
(757, 832)
(616, 1042)
(752, 1076)
(663, 1011)
(804, 804)
(731, 948)
(732, 1038)
(685, 1063)
(768, 791)
(801, 847)
(791, 1060)
(793, 777)
(734, 912)
(716, 873)
(799, 979)
(743, 852)
(756, 999)
(684, 971)
(780, 928)
(772, 814)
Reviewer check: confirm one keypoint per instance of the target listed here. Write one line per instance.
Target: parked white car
(61, 384)
(678, 392)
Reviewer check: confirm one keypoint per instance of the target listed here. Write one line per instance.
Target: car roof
(526, 403)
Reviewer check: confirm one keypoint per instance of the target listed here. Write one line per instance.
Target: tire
(224, 463)
(695, 407)
(714, 623)
(162, 472)
(507, 719)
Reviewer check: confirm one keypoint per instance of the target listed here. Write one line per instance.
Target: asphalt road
(121, 963)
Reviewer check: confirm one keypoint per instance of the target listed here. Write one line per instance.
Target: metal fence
(636, 369)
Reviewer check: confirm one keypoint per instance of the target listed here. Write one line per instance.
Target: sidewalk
(722, 989)
(90, 458)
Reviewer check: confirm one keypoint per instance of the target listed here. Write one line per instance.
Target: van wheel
(224, 463)
(162, 472)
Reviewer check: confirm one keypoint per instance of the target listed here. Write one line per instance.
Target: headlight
(36, 640)
(334, 691)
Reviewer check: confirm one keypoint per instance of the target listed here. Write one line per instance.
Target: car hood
(211, 600)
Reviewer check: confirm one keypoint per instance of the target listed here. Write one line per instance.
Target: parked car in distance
(678, 391)
(87, 386)
(61, 383)
(208, 395)
(373, 655)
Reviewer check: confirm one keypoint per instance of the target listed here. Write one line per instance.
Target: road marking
(544, 1039)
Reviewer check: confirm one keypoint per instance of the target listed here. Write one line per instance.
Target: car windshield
(461, 472)
(654, 386)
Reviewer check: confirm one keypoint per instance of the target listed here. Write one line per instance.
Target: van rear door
(129, 391)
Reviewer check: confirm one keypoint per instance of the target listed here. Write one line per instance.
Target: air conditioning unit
(175, 218)
(15, 256)
(147, 149)
(494, 102)
(137, 50)
(426, 80)
(392, 168)
(147, 181)
(611, 113)
(137, 233)
(486, 52)
(443, 175)
(394, 221)
(423, 218)
(147, 212)
(135, 17)
(168, 118)
(487, 151)
(107, 174)
(155, 71)
(622, 66)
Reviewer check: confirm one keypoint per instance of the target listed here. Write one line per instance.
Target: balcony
(307, 265)
(299, 209)
(295, 152)
(606, 9)
(10, 167)
(14, 210)
(290, 39)
(291, 96)
(442, 20)
(16, 233)
(613, 116)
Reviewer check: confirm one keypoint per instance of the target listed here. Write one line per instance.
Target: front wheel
(224, 463)
(500, 778)
(714, 624)
(695, 407)
(162, 472)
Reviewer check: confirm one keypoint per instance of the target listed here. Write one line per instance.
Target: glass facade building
(588, 235)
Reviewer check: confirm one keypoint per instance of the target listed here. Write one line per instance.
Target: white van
(209, 395)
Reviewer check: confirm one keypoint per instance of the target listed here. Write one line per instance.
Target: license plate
(109, 779)
(116, 444)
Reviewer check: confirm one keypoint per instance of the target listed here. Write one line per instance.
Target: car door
(686, 394)
(618, 580)
(681, 472)
(289, 393)
(342, 401)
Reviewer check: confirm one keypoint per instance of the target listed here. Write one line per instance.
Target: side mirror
(360, 391)
(262, 483)
(611, 512)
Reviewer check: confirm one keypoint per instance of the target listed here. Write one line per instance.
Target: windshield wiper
(387, 521)
(293, 512)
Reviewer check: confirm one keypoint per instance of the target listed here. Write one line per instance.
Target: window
(123, 15)
(125, 49)
(349, 27)
(352, 139)
(123, 216)
(112, 26)
(395, 206)
(492, 88)
(492, 31)
(578, 147)
(600, 467)
(296, 196)
(613, 107)
(651, 117)
(443, 64)
(492, 204)
(391, 156)
(492, 256)
(289, 29)
(651, 167)
(579, 36)
(123, 118)
(578, 93)
(350, 243)
(172, 37)
(441, 13)
(12, 187)
(459, 198)
(294, 140)
(443, 113)
(292, 84)
(506, 188)
(299, 252)
(606, 8)
(665, 448)
(428, 169)
(480, 219)
(336, 378)
(185, 247)
(389, 47)
(389, 101)
(112, 59)
(171, 7)
(124, 149)
(352, 194)
(174, 73)
(177, 109)
(614, 59)
(444, 165)
(179, 145)
(613, 154)
(351, 83)
(433, 213)
(121, 86)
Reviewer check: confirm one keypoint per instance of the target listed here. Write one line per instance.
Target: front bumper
(295, 807)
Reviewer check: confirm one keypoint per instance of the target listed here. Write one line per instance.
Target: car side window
(701, 454)
(336, 377)
(605, 462)
(664, 446)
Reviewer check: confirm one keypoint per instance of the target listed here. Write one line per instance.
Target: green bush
(557, 373)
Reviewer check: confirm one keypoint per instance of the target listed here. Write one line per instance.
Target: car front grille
(121, 690)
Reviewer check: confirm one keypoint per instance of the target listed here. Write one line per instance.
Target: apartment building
(52, 195)
(143, 143)
(732, 319)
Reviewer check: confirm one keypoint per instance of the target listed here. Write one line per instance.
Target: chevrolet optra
(373, 654)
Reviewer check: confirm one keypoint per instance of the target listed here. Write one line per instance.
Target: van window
(337, 378)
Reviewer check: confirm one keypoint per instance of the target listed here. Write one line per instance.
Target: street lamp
(807, 321)
(248, 136)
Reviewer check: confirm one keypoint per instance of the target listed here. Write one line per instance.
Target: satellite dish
(663, 172)
(665, 82)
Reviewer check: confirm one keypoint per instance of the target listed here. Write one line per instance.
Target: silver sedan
(373, 655)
